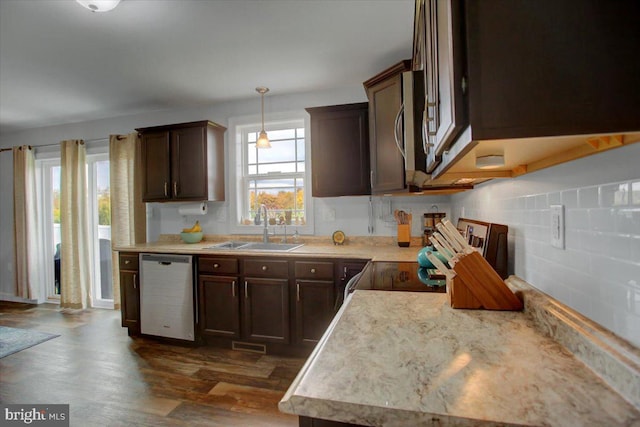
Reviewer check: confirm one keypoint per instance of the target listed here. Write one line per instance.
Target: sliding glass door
(98, 191)
(100, 226)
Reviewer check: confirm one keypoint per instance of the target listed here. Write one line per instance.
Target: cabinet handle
(175, 188)
(233, 288)
(298, 292)
(396, 130)
(216, 265)
(246, 290)
(135, 279)
(127, 261)
(265, 268)
(431, 117)
(313, 271)
(166, 189)
(425, 145)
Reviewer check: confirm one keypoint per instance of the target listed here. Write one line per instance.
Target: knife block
(477, 285)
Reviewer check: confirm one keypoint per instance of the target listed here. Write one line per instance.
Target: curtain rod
(119, 138)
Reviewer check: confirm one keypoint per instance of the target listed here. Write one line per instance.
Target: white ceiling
(60, 63)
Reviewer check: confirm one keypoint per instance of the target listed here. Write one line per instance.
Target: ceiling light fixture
(490, 162)
(263, 140)
(99, 5)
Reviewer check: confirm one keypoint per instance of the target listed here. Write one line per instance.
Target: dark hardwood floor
(111, 379)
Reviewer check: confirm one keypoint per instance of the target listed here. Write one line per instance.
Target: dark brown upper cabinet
(384, 92)
(524, 79)
(183, 162)
(340, 150)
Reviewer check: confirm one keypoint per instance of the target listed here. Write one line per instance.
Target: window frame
(238, 174)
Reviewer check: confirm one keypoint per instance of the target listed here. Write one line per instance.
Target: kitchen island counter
(409, 359)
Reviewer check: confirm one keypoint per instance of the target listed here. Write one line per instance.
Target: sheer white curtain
(28, 275)
(76, 249)
(128, 212)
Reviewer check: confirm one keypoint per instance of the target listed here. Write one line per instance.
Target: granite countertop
(409, 359)
(370, 248)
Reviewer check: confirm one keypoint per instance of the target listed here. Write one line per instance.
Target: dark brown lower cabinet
(265, 305)
(274, 304)
(315, 302)
(317, 422)
(220, 314)
(130, 292)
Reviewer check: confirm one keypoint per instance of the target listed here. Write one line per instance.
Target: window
(276, 177)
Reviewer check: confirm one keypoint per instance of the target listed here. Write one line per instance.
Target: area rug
(13, 340)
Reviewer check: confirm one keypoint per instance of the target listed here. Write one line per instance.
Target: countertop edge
(612, 358)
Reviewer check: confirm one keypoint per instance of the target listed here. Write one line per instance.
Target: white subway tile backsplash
(602, 219)
(614, 195)
(542, 201)
(570, 199)
(530, 202)
(598, 272)
(628, 221)
(635, 193)
(588, 197)
(576, 219)
(555, 198)
(634, 245)
(572, 239)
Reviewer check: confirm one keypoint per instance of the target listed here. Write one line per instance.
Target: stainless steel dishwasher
(166, 296)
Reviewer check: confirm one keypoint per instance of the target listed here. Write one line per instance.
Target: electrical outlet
(557, 226)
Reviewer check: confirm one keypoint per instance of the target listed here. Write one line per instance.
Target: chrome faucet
(265, 232)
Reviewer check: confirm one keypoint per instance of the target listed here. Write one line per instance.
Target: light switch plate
(557, 226)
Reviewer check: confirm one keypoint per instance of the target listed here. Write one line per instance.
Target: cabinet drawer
(129, 261)
(314, 270)
(266, 267)
(218, 265)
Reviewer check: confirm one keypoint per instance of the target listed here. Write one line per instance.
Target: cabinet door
(156, 167)
(265, 306)
(340, 150)
(445, 110)
(130, 300)
(565, 68)
(314, 309)
(219, 306)
(387, 163)
(189, 163)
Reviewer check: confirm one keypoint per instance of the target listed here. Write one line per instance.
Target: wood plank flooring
(111, 379)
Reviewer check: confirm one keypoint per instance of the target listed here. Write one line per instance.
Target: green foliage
(104, 209)
(56, 207)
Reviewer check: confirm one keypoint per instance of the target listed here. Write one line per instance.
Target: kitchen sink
(256, 246)
(280, 247)
(228, 245)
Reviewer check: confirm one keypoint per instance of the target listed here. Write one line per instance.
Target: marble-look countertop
(409, 359)
(370, 248)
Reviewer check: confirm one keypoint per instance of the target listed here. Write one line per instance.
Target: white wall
(598, 274)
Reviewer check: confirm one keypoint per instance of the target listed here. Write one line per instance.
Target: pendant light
(99, 5)
(263, 140)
